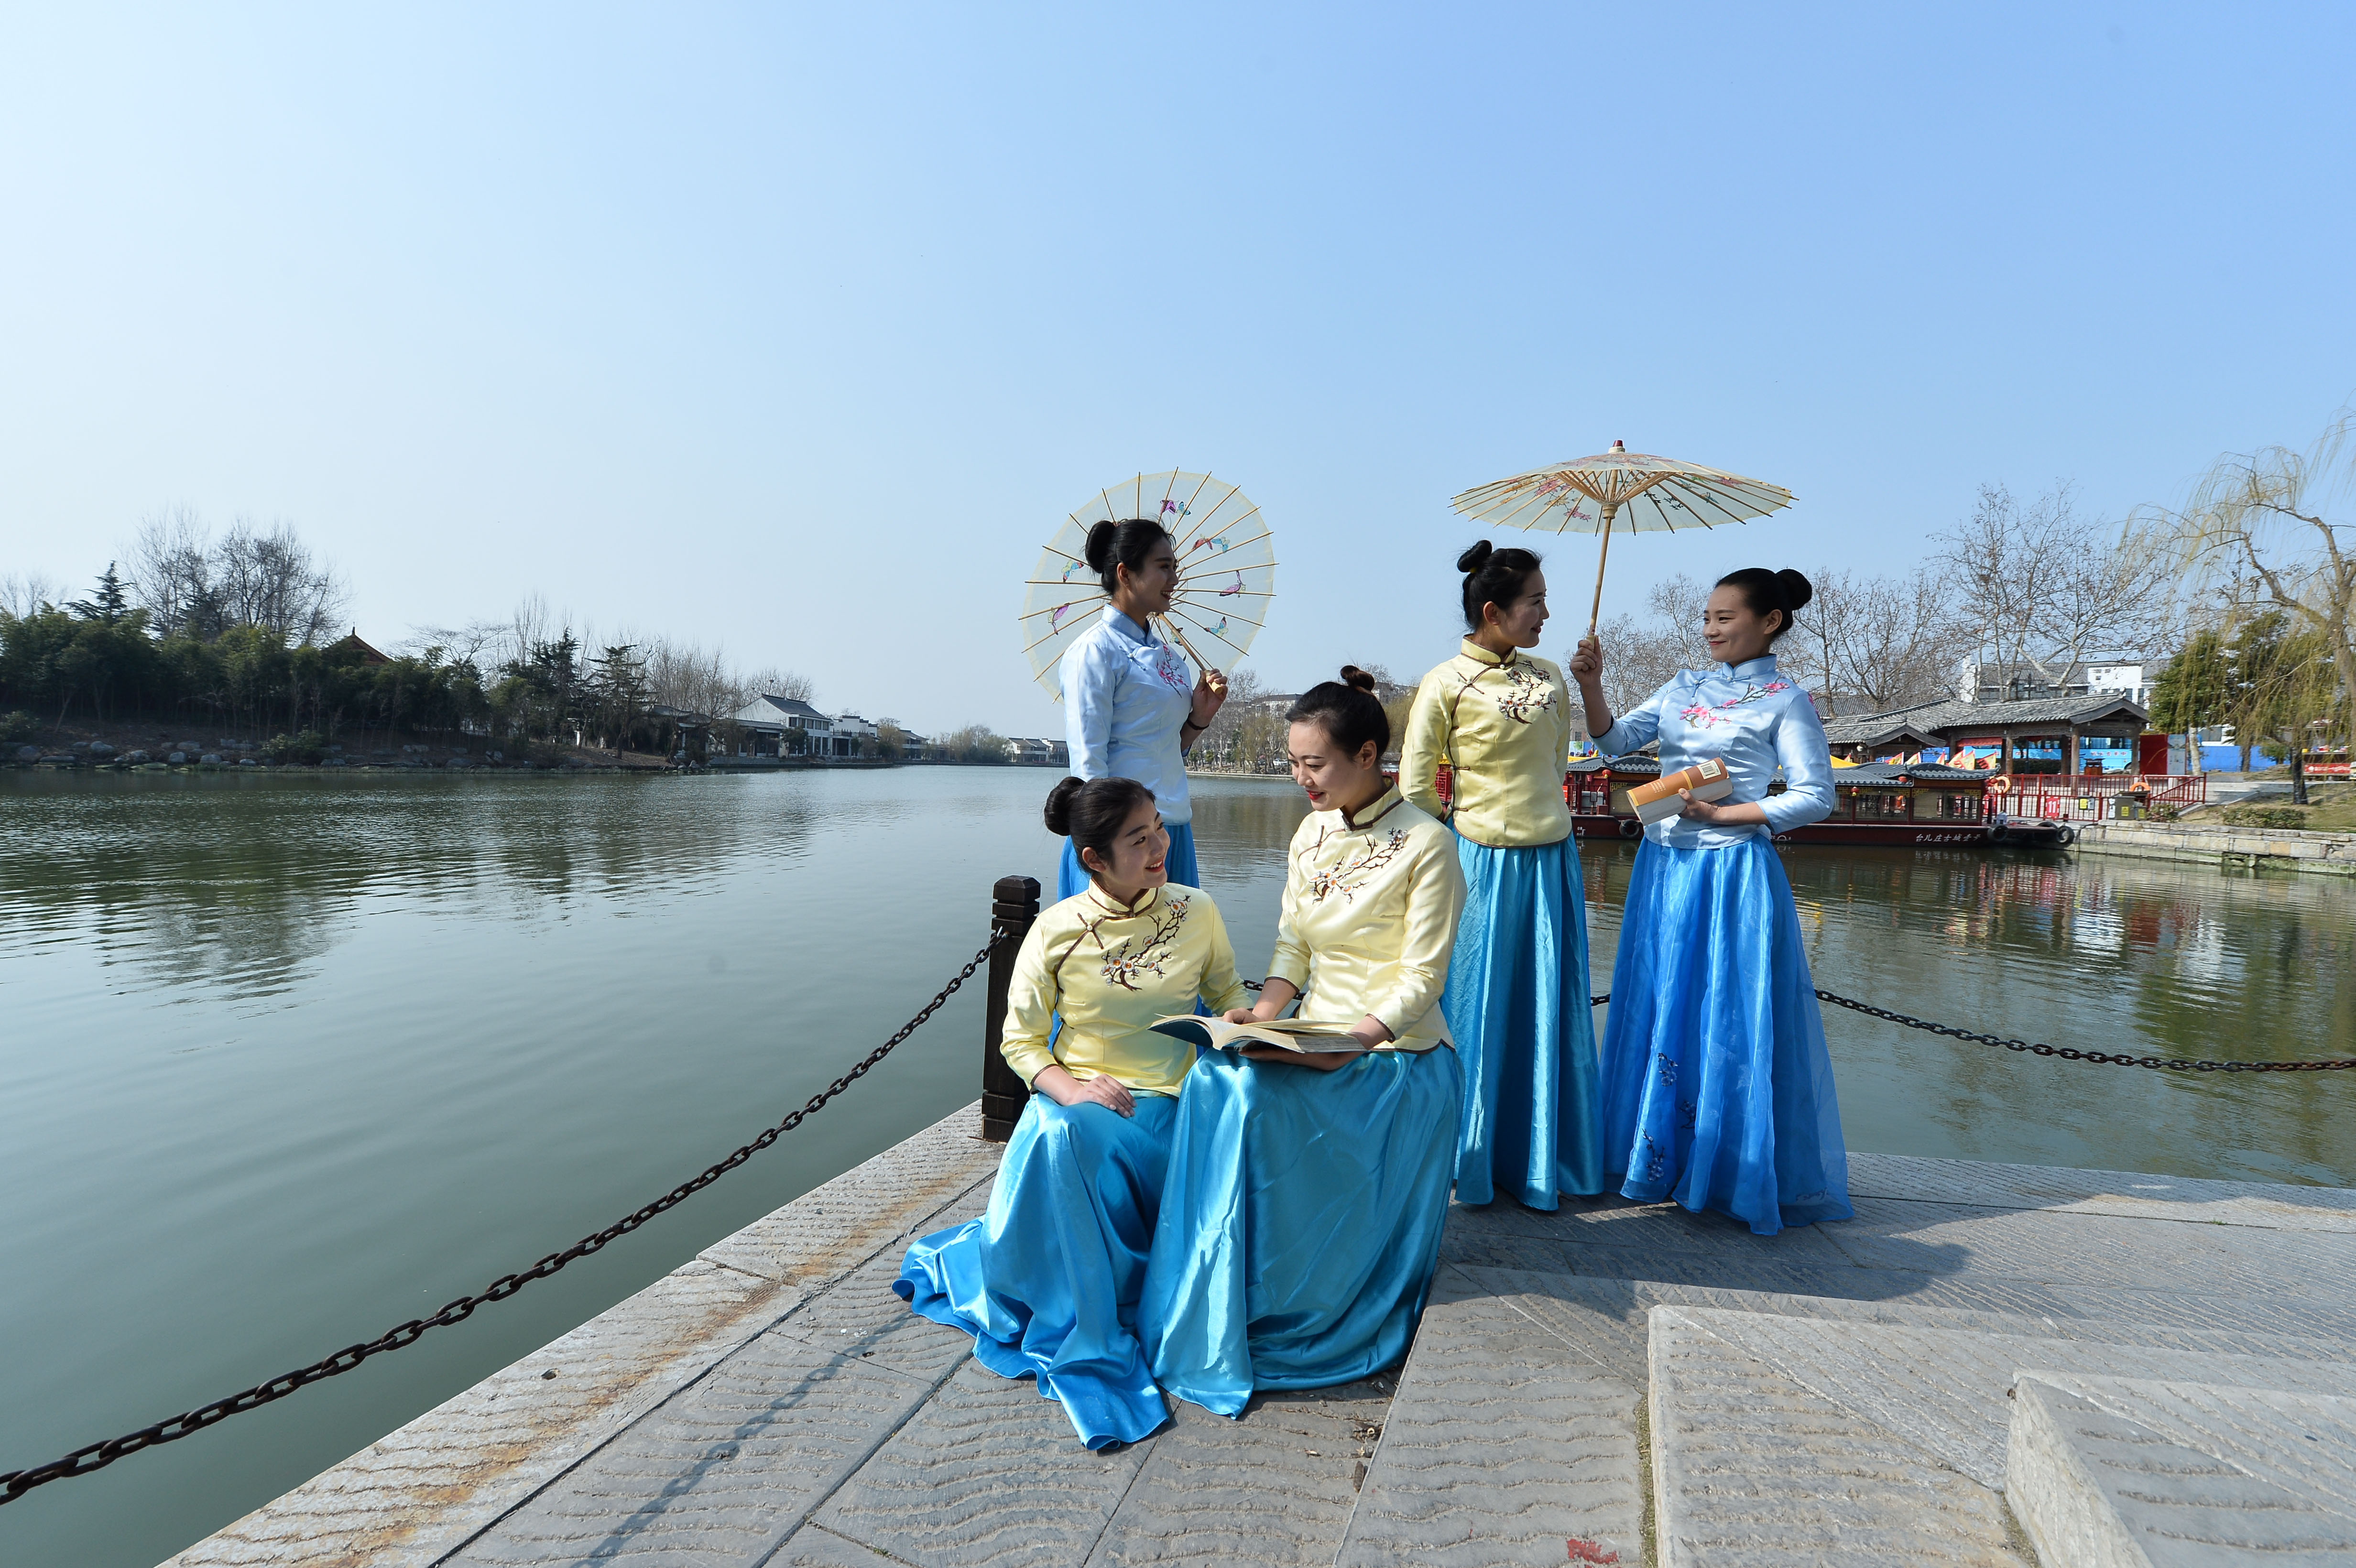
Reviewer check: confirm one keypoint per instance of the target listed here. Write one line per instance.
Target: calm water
(285, 1061)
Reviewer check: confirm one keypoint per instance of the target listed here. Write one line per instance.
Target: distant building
(773, 726)
(853, 736)
(1038, 754)
(352, 644)
(2121, 674)
(2101, 731)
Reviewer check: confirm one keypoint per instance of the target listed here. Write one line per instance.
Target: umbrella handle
(1171, 626)
(1595, 611)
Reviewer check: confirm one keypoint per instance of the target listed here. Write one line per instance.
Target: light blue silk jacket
(1126, 695)
(1755, 721)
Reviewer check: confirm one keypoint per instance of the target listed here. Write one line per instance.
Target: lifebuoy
(2001, 785)
(1630, 828)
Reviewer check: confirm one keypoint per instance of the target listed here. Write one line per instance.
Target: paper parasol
(1621, 491)
(1227, 572)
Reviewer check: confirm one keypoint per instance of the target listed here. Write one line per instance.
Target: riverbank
(2229, 847)
(1943, 1379)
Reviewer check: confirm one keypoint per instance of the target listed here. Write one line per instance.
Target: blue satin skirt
(1071, 877)
(1047, 1282)
(1717, 1090)
(1299, 1223)
(1517, 1002)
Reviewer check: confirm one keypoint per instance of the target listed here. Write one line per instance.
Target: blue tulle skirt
(1517, 1002)
(1071, 877)
(1047, 1282)
(1717, 1090)
(1299, 1223)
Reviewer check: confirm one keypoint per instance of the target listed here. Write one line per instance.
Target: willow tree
(2277, 520)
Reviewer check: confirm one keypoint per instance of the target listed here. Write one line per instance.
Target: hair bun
(1476, 558)
(1059, 803)
(1797, 590)
(1357, 679)
(1100, 546)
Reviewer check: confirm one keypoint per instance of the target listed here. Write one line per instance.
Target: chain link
(14, 1484)
(2067, 1052)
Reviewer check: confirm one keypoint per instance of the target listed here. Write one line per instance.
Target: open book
(1285, 1034)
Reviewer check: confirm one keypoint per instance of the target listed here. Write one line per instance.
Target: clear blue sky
(796, 328)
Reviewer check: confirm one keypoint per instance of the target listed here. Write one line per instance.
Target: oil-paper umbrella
(1625, 491)
(1227, 572)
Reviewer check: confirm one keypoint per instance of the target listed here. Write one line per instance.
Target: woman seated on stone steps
(1300, 1217)
(1048, 1281)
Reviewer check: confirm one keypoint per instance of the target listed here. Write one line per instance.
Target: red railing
(2094, 797)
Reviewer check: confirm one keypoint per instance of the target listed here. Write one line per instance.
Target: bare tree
(1641, 653)
(22, 595)
(171, 573)
(1865, 644)
(271, 578)
(2265, 518)
(2044, 586)
(775, 682)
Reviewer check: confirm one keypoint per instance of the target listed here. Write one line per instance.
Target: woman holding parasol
(1717, 1085)
(1500, 718)
(1130, 709)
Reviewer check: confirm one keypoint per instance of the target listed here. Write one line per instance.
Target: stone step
(2137, 1473)
(1505, 1447)
(1803, 1437)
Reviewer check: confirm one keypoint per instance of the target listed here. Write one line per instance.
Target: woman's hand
(1587, 663)
(1065, 1090)
(1245, 1015)
(1210, 692)
(1709, 814)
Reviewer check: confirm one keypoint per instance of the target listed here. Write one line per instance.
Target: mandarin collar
(1479, 655)
(1120, 621)
(1377, 809)
(1751, 669)
(1144, 899)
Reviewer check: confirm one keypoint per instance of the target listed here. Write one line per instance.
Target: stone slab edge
(2059, 1502)
(2124, 1193)
(417, 1494)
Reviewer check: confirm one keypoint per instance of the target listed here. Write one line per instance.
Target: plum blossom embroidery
(1526, 694)
(1131, 960)
(1352, 875)
(1703, 715)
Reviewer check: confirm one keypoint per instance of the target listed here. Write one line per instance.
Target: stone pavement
(1988, 1363)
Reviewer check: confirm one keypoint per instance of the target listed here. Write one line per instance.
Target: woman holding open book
(1517, 998)
(1717, 1090)
(1047, 1282)
(1301, 1216)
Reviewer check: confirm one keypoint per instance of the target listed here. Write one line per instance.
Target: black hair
(1113, 545)
(1091, 813)
(1763, 590)
(1348, 710)
(1494, 576)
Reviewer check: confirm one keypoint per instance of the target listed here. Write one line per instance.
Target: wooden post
(1014, 905)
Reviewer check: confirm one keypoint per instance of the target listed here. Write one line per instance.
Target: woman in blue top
(1131, 706)
(1717, 1090)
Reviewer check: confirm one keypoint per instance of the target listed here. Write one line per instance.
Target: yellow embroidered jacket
(1369, 918)
(1505, 726)
(1111, 972)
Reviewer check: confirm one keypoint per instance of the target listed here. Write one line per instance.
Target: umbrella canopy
(1623, 492)
(1227, 572)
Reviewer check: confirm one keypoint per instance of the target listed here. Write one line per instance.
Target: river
(288, 1059)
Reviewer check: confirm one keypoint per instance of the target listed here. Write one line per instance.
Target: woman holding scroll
(1300, 1220)
(1048, 1281)
(1516, 1001)
(1717, 1090)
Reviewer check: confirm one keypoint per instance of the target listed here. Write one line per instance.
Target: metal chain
(2101, 1057)
(14, 1484)
(2066, 1052)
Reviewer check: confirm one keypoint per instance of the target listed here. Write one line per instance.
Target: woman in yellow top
(1301, 1215)
(1518, 987)
(1048, 1281)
